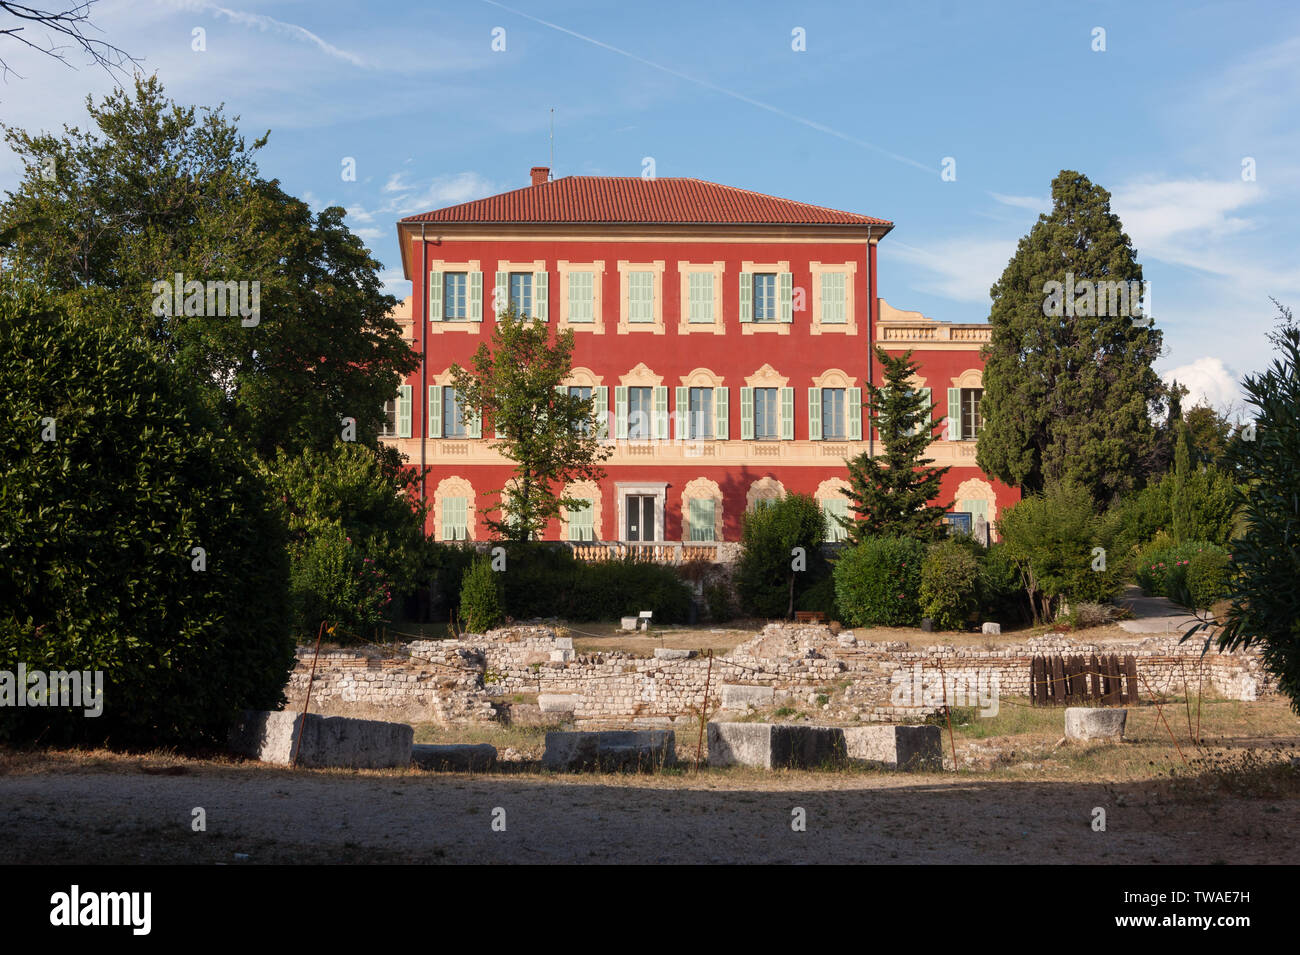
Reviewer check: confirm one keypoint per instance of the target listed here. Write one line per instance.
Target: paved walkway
(1153, 614)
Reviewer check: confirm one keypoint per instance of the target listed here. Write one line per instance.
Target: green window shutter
(701, 298)
(853, 408)
(954, 414)
(620, 412)
(435, 296)
(814, 414)
(476, 296)
(661, 412)
(435, 412)
(834, 306)
(640, 297)
(601, 395)
(455, 518)
(582, 521)
(747, 414)
(541, 295)
(582, 298)
(746, 297)
(720, 413)
(977, 509)
(787, 414)
(503, 283)
(702, 517)
(404, 411)
(683, 412)
(928, 414)
(834, 508)
(785, 281)
(475, 429)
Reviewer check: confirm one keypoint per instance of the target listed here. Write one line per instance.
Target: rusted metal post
(943, 683)
(699, 747)
(306, 703)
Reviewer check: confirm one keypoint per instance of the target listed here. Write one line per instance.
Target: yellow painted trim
(656, 268)
(766, 377)
(684, 325)
(455, 487)
(850, 324)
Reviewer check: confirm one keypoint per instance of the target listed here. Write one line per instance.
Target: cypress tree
(1069, 388)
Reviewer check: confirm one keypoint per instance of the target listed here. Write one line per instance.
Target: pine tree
(1069, 389)
(891, 493)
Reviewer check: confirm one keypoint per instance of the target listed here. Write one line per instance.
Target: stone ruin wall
(476, 679)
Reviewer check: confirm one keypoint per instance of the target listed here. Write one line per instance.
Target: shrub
(357, 537)
(1000, 589)
(1052, 537)
(949, 585)
(480, 598)
(1084, 614)
(717, 597)
(611, 589)
(97, 535)
(877, 582)
(1209, 578)
(820, 597)
(767, 580)
(1162, 568)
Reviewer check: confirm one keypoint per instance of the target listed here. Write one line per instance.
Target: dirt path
(125, 815)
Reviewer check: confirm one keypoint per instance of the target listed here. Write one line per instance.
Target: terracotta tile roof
(615, 199)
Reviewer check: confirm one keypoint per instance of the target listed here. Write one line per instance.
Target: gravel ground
(133, 809)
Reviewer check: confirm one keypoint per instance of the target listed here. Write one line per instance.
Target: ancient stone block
(668, 653)
(335, 741)
(612, 751)
(737, 697)
(557, 702)
(473, 757)
(896, 747)
(775, 745)
(992, 629)
(1088, 723)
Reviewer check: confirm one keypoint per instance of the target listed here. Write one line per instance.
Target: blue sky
(861, 119)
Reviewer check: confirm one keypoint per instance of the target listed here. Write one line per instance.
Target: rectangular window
(765, 296)
(582, 297)
(640, 414)
(700, 417)
(701, 297)
(521, 292)
(971, 420)
(958, 522)
(834, 422)
(834, 311)
(767, 415)
(389, 427)
(640, 296)
(833, 508)
(455, 287)
(582, 521)
(701, 516)
(583, 392)
(452, 424)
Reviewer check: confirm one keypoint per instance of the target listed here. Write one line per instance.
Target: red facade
(613, 259)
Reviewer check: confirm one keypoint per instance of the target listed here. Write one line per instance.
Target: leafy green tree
(1063, 548)
(1210, 433)
(1265, 609)
(135, 539)
(1069, 389)
(553, 437)
(354, 544)
(891, 493)
(780, 554)
(154, 190)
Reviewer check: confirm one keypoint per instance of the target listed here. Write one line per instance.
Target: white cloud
(270, 24)
(963, 268)
(405, 198)
(1032, 203)
(1208, 381)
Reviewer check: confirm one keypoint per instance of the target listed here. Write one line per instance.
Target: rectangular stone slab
(610, 750)
(775, 745)
(896, 747)
(327, 741)
(455, 758)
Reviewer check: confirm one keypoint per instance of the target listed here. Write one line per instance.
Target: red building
(724, 334)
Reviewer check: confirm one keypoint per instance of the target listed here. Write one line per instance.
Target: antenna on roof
(552, 174)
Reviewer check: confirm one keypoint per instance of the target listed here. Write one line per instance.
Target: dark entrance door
(640, 510)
